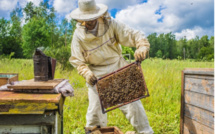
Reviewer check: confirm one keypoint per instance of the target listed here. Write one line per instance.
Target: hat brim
(88, 16)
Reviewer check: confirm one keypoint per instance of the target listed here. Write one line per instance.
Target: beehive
(197, 101)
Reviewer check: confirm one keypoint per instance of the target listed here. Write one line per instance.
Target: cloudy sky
(182, 17)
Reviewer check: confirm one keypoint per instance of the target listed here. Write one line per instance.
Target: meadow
(163, 79)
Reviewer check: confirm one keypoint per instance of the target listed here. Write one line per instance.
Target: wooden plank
(107, 130)
(27, 108)
(204, 86)
(185, 131)
(24, 97)
(200, 100)
(200, 115)
(199, 71)
(27, 129)
(31, 84)
(200, 76)
(182, 104)
(28, 119)
(193, 127)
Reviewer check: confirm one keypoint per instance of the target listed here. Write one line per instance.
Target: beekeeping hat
(88, 10)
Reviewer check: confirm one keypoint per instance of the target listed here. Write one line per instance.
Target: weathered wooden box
(107, 130)
(28, 113)
(197, 101)
(6, 78)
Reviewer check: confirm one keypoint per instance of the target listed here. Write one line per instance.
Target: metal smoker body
(44, 66)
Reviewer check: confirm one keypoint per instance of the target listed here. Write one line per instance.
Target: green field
(163, 78)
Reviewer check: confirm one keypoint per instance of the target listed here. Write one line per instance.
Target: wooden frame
(144, 95)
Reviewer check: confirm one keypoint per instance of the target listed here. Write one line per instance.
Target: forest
(37, 26)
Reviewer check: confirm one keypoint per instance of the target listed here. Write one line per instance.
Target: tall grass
(163, 78)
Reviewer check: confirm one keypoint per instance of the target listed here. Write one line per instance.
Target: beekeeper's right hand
(91, 79)
(87, 74)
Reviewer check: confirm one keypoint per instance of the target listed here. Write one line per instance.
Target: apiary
(30, 112)
(197, 101)
(6, 78)
(121, 87)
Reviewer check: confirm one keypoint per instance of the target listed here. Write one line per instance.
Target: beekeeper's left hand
(140, 53)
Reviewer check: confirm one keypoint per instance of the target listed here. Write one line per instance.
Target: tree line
(166, 46)
(37, 26)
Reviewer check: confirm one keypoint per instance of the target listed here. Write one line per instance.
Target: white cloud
(6, 5)
(36, 2)
(24, 2)
(192, 33)
(64, 6)
(68, 17)
(187, 15)
(119, 4)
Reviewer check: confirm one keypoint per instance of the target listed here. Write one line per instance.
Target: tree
(211, 41)
(194, 47)
(29, 11)
(152, 38)
(204, 41)
(183, 48)
(54, 33)
(4, 33)
(16, 34)
(207, 48)
(170, 46)
(159, 54)
(35, 34)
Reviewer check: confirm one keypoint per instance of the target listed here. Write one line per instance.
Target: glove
(140, 53)
(87, 74)
(91, 79)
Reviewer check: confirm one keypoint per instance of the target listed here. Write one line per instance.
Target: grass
(163, 78)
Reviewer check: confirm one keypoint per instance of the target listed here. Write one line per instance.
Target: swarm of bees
(122, 86)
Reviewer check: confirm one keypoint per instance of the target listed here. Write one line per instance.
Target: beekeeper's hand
(140, 53)
(91, 79)
(87, 74)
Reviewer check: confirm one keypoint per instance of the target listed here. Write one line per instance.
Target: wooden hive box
(106, 130)
(6, 78)
(197, 101)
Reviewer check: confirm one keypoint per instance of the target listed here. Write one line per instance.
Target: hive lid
(31, 84)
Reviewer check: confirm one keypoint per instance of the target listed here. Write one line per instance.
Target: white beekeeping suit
(100, 53)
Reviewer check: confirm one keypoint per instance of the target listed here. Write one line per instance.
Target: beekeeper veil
(88, 10)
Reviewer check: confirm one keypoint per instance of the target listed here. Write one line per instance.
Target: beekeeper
(96, 51)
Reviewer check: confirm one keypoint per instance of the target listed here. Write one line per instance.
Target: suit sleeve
(129, 37)
(77, 57)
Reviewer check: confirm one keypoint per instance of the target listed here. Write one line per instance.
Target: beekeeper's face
(89, 24)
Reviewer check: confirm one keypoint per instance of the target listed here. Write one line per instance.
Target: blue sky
(181, 17)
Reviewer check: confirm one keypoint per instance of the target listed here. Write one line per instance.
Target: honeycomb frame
(121, 87)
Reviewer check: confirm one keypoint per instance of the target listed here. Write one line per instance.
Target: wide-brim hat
(88, 10)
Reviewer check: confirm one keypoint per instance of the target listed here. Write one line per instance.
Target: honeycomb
(122, 86)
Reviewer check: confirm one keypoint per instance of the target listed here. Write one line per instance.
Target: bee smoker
(44, 66)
